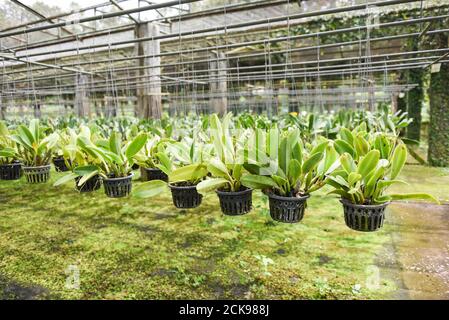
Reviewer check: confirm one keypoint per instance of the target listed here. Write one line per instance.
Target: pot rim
(364, 206)
(234, 193)
(152, 169)
(11, 164)
(171, 186)
(121, 178)
(36, 167)
(275, 196)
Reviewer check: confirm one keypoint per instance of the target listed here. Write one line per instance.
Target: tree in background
(415, 97)
(438, 154)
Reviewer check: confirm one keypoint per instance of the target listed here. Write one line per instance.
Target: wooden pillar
(268, 97)
(2, 109)
(81, 96)
(110, 107)
(394, 102)
(218, 84)
(37, 110)
(21, 110)
(149, 101)
(97, 106)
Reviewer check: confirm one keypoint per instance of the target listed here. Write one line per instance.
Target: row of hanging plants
(286, 163)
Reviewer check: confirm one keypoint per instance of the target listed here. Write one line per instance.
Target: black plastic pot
(185, 197)
(11, 171)
(365, 218)
(287, 209)
(118, 187)
(135, 166)
(60, 165)
(236, 203)
(90, 185)
(149, 174)
(37, 174)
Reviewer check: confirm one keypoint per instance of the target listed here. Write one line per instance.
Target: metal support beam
(115, 3)
(437, 60)
(104, 16)
(38, 14)
(52, 66)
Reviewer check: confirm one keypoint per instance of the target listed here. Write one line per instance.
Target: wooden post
(2, 110)
(218, 84)
(394, 102)
(149, 101)
(110, 107)
(21, 110)
(97, 107)
(37, 110)
(81, 96)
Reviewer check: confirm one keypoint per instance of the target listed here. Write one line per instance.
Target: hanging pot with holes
(185, 196)
(287, 209)
(118, 187)
(11, 171)
(60, 165)
(361, 217)
(39, 174)
(235, 203)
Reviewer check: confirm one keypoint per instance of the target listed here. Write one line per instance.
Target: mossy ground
(147, 249)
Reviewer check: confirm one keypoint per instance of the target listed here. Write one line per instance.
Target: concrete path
(417, 257)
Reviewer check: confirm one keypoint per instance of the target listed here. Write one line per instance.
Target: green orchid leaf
(258, 182)
(218, 169)
(86, 177)
(150, 189)
(398, 160)
(64, 179)
(368, 163)
(414, 196)
(191, 173)
(136, 145)
(85, 170)
(347, 136)
(343, 147)
(294, 171)
(312, 162)
(114, 143)
(211, 184)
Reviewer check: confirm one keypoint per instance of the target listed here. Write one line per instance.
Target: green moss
(131, 248)
(439, 112)
(415, 97)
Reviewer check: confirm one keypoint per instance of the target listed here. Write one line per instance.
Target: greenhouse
(224, 150)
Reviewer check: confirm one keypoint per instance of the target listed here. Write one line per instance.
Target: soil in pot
(185, 195)
(149, 174)
(12, 171)
(118, 187)
(366, 218)
(287, 209)
(90, 185)
(37, 174)
(236, 203)
(60, 165)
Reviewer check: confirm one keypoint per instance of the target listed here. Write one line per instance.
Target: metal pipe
(228, 8)
(385, 63)
(263, 77)
(206, 30)
(102, 16)
(207, 60)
